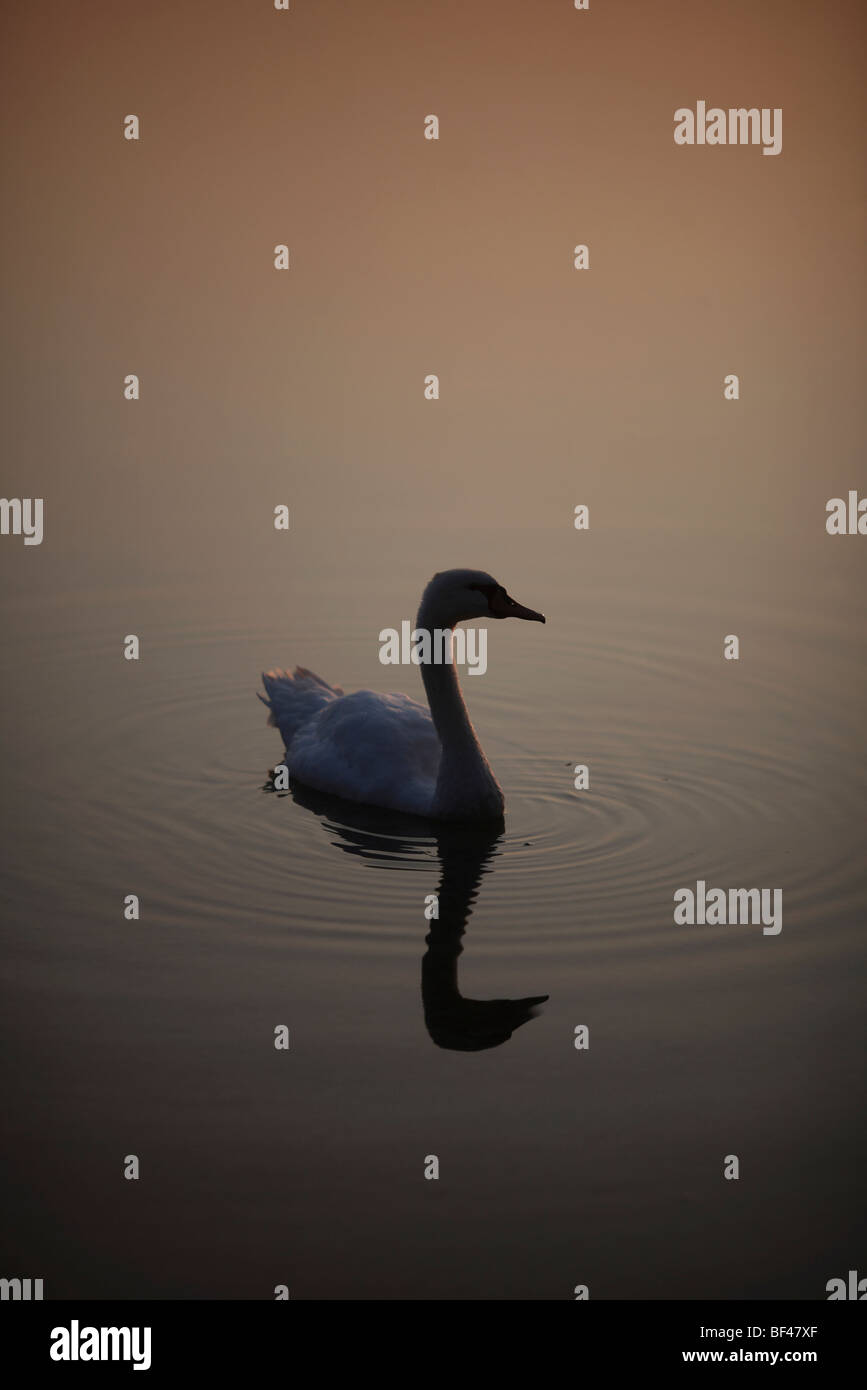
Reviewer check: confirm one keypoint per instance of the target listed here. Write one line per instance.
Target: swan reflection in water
(465, 853)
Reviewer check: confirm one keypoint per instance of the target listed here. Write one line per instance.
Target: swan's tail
(294, 699)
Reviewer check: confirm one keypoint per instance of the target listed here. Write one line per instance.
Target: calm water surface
(558, 1167)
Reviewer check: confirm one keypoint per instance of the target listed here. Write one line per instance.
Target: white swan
(388, 750)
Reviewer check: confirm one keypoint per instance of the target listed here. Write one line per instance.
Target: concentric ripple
(741, 786)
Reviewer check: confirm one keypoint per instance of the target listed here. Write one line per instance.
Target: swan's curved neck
(465, 784)
(448, 711)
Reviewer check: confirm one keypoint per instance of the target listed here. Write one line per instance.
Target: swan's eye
(496, 596)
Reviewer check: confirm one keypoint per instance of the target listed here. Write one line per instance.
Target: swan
(388, 750)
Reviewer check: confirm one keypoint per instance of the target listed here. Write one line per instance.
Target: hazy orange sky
(411, 257)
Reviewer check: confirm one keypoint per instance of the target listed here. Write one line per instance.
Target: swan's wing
(295, 699)
(378, 749)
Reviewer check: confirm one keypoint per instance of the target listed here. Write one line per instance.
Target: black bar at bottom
(198, 1338)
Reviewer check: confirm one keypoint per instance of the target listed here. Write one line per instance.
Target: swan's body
(388, 750)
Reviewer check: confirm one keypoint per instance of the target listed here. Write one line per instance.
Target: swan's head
(456, 596)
